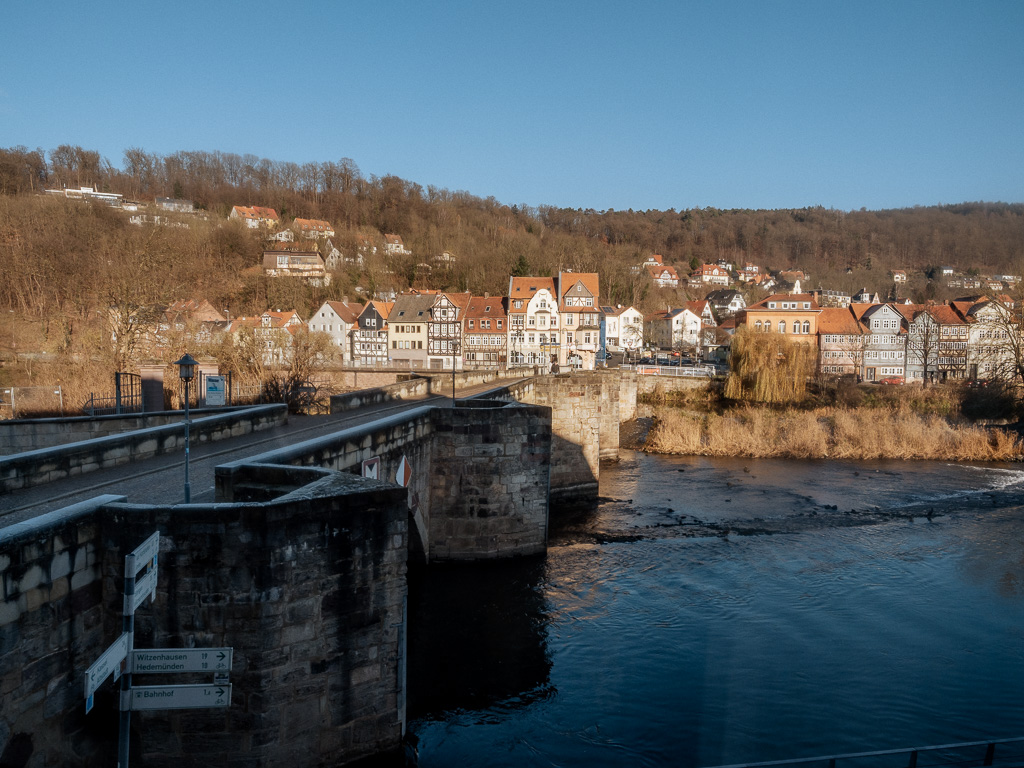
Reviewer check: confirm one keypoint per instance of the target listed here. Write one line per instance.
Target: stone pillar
(608, 436)
(489, 482)
(575, 403)
(152, 388)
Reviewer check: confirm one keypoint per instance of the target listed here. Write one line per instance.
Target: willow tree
(768, 367)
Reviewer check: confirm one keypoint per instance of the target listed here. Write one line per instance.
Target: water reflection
(666, 627)
(477, 637)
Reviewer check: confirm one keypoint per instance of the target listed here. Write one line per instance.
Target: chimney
(487, 294)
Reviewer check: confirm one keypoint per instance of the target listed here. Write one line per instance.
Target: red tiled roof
(317, 224)
(346, 310)
(838, 320)
(568, 280)
(255, 212)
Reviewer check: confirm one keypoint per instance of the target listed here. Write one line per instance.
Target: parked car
(891, 380)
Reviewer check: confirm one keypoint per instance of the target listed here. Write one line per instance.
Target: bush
(996, 400)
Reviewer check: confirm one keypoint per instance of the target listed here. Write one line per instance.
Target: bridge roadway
(162, 478)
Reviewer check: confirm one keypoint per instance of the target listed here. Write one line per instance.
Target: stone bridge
(300, 566)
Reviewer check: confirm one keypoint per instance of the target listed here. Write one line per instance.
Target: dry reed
(829, 432)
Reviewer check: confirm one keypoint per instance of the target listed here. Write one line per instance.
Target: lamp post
(186, 372)
(455, 350)
(517, 346)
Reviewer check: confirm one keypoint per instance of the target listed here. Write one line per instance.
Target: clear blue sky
(579, 104)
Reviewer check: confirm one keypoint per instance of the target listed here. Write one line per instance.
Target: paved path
(162, 478)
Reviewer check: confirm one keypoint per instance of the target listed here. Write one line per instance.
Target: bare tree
(923, 344)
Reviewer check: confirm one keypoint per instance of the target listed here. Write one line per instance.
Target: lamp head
(186, 367)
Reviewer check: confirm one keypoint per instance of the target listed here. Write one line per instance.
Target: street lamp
(455, 350)
(186, 372)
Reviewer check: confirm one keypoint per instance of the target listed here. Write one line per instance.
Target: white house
(337, 319)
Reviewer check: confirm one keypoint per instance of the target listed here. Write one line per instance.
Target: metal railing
(26, 401)
(127, 397)
(692, 371)
(968, 753)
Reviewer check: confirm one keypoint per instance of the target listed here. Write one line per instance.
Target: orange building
(795, 315)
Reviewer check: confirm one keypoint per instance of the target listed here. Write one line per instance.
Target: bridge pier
(489, 482)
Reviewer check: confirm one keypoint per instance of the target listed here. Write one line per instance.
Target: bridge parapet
(307, 587)
(478, 476)
(31, 468)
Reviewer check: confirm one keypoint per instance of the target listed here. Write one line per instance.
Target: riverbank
(826, 432)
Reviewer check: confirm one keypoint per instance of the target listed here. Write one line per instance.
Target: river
(714, 611)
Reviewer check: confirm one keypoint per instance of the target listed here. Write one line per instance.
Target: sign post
(123, 659)
(142, 557)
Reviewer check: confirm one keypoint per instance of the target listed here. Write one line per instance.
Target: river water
(714, 611)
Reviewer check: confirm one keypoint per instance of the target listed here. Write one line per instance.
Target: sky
(603, 105)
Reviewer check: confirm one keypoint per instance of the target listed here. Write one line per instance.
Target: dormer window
(771, 305)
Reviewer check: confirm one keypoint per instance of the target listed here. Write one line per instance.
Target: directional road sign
(161, 660)
(144, 587)
(180, 696)
(145, 552)
(109, 661)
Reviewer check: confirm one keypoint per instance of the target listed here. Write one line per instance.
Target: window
(757, 326)
(782, 326)
(807, 326)
(471, 324)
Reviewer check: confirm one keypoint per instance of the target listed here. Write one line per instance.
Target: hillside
(65, 260)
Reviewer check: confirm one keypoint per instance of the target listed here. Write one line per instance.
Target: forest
(65, 262)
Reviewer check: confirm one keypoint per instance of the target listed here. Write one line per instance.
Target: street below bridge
(161, 479)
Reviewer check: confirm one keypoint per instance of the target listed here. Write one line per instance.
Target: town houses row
(543, 321)
(548, 322)
(970, 338)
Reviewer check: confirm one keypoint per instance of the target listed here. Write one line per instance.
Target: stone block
(83, 578)
(10, 612)
(60, 565)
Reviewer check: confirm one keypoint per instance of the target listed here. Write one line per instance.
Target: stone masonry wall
(39, 467)
(52, 627)
(577, 408)
(308, 589)
(489, 482)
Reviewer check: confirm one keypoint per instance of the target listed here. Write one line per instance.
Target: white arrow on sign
(154, 660)
(180, 696)
(109, 661)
